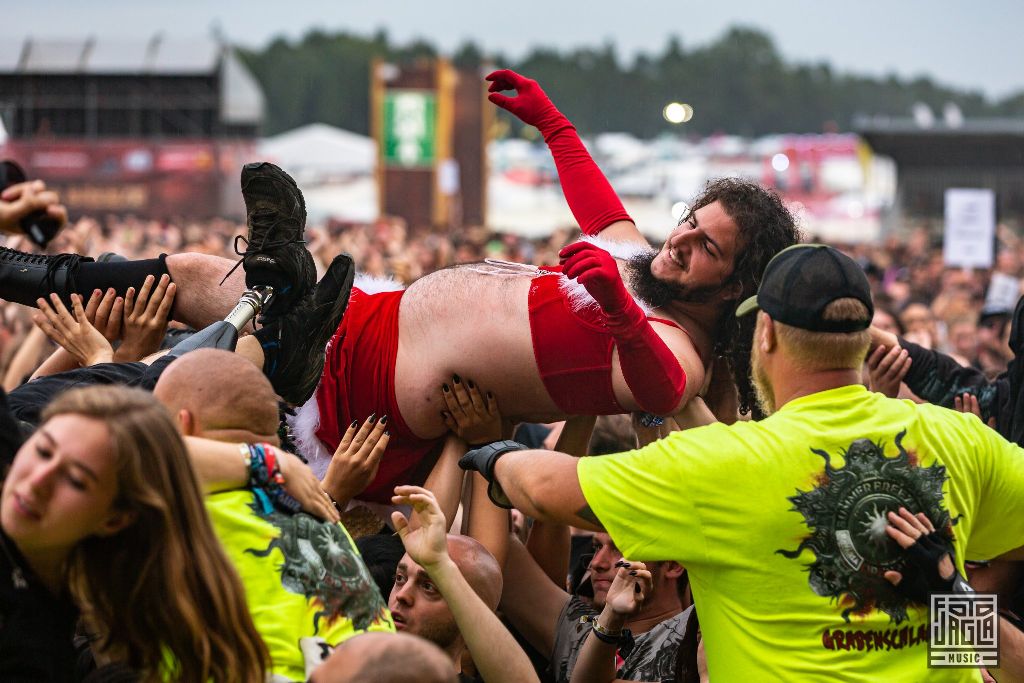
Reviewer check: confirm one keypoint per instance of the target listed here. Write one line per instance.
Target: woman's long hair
(163, 596)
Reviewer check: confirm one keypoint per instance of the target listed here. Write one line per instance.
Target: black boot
(27, 277)
(275, 252)
(294, 344)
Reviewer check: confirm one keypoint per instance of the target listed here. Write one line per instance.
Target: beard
(657, 293)
(763, 390)
(443, 634)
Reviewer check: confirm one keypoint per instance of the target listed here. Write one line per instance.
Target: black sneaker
(294, 344)
(275, 254)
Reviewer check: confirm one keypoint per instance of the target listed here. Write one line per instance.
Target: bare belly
(460, 320)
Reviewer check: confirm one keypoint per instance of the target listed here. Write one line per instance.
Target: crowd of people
(472, 456)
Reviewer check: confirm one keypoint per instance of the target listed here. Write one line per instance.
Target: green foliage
(737, 84)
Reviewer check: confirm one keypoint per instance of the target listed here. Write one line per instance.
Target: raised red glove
(592, 200)
(531, 104)
(651, 370)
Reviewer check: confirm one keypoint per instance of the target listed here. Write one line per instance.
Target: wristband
(266, 478)
(623, 639)
(331, 498)
(605, 634)
(483, 459)
(648, 420)
(961, 586)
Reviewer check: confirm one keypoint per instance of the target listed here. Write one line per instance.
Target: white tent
(319, 152)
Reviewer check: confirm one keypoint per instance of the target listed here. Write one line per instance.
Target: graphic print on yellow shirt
(848, 514)
(722, 500)
(321, 563)
(307, 587)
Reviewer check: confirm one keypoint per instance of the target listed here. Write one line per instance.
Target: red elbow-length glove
(651, 370)
(592, 200)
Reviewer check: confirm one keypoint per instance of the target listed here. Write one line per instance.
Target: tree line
(737, 84)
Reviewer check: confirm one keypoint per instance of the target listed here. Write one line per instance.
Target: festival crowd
(471, 456)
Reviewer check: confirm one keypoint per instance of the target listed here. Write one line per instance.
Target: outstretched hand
(105, 311)
(887, 368)
(531, 104)
(73, 332)
(302, 485)
(357, 459)
(145, 317)
(968, 403)
(473, 416)
(596, 270)
(427, 545)
(929, 556)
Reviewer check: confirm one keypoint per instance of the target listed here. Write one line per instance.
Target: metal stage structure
(154, 127)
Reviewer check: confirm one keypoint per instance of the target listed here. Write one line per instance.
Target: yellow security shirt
(781, 526)
(307, 587)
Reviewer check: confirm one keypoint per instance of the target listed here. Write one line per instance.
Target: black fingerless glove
(921, 576)
(483, 459)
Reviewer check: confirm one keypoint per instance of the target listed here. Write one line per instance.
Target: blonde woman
(101, 513)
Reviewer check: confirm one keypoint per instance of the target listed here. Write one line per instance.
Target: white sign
(1003, 292)
(970, 228)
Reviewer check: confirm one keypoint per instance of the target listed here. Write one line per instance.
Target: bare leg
(249, 347)
(201, 299)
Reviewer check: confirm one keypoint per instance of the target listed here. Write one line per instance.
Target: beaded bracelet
(265, 473)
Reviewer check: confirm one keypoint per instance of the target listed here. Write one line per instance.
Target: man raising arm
(492, 647)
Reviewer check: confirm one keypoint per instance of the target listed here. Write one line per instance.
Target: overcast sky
(975, 45)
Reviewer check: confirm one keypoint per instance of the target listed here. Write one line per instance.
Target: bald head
(386, 658)
(478, 566)
(223, 391)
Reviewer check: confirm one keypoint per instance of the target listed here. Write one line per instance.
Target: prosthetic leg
(223, 334)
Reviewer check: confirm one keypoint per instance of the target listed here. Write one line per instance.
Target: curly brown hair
(766, 227)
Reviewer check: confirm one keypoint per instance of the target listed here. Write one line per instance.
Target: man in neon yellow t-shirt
(782, 523)
(307, 587)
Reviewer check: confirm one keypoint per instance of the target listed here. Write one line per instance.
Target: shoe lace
(264, 245)
(53, 265)
(22, 257)
(73, 262)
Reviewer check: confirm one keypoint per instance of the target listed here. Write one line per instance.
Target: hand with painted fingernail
(357, 459)
(471, 413)
(630, 587)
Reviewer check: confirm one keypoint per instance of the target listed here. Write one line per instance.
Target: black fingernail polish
(355, 423)
(619, 563)
(470, 384)
(384, 420)
(456, 379)
(636, 587)
(633, 573)
(373, 418)
(444, 388)
(490, 395)
(387, 433)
